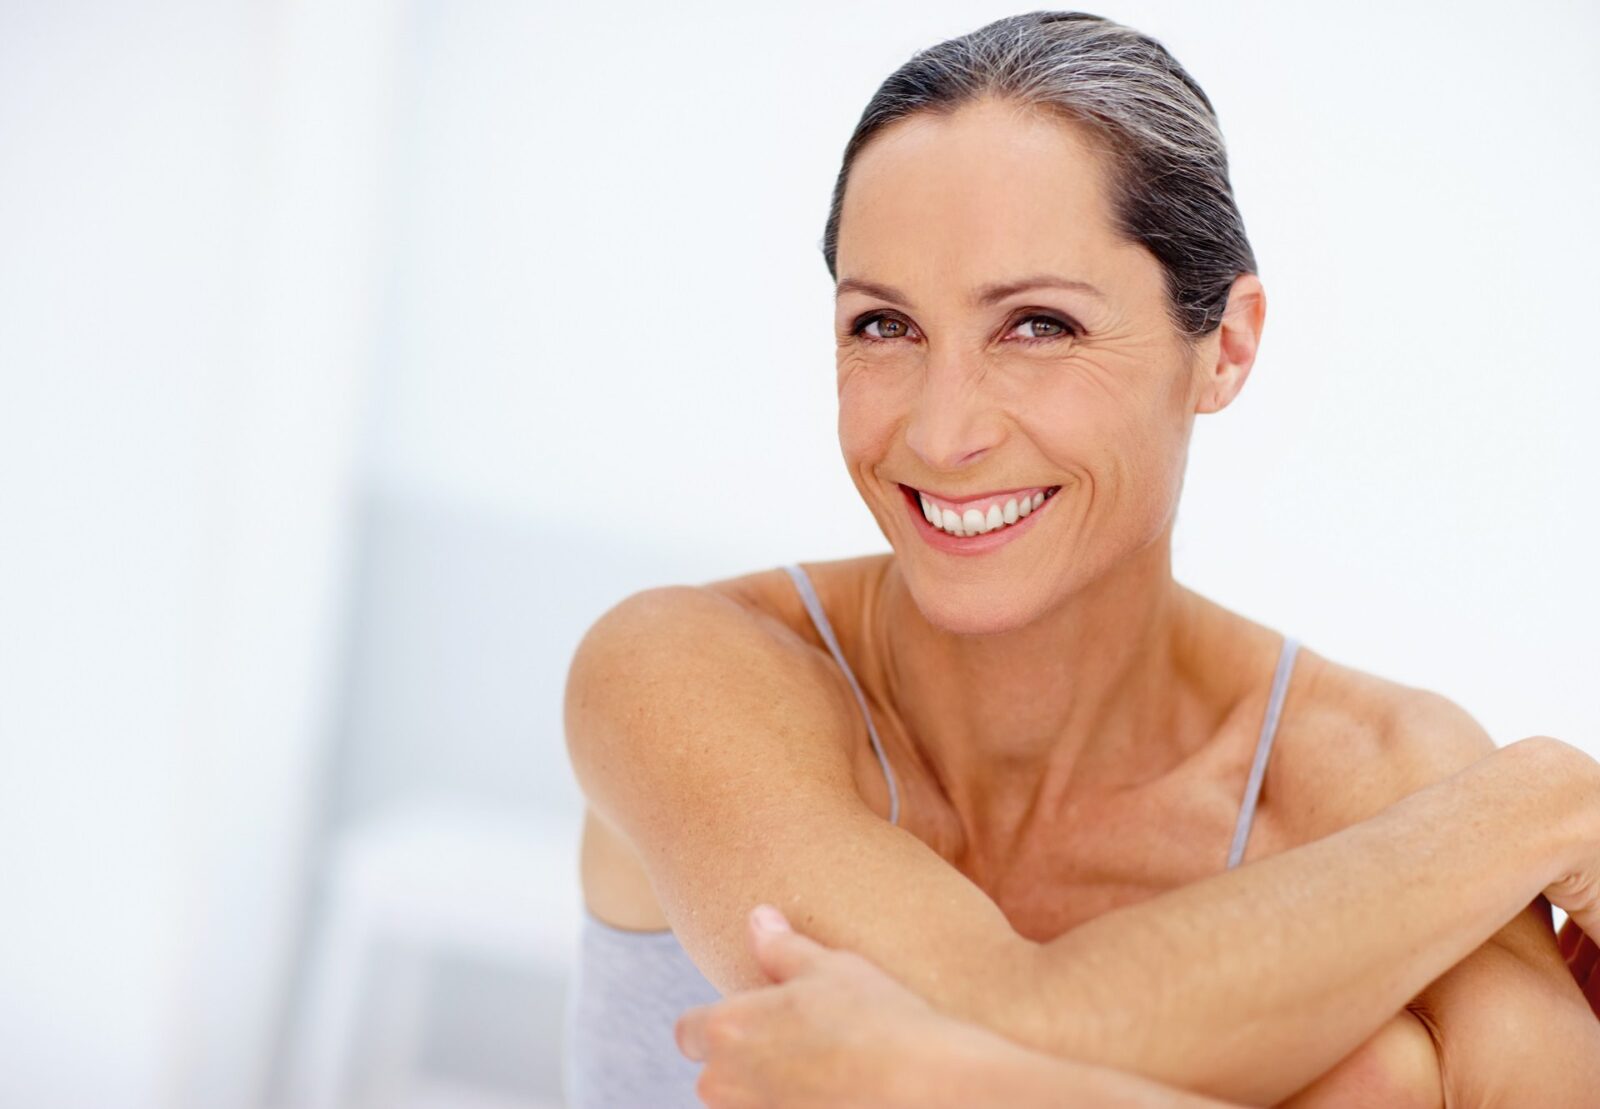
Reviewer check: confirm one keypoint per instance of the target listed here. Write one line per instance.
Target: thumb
(779, 949)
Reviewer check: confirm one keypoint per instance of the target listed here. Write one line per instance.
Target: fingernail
(769, 919)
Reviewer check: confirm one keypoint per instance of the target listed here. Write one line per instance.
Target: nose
(953, 425)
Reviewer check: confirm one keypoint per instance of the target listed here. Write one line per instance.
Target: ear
(1225, 358)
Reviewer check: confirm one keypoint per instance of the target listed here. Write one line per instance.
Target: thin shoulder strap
(808, 594)
(1258, 769)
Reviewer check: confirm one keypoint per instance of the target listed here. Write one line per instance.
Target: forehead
(992, 189)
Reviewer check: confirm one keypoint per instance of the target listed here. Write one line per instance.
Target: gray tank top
(629, 987)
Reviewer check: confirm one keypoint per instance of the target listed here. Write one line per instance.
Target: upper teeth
(977, 519)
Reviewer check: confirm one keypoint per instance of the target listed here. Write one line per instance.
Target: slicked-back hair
(1168, 168)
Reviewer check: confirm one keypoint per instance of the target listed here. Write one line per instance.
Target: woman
(957, 759)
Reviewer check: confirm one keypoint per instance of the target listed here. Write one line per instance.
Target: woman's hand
(833, 1030)
(1578, 891)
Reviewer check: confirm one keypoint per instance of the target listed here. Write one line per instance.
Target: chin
(976, 608)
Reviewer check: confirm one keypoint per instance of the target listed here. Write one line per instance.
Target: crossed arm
(704, 736)
(1507, 1024)
(833, 1030)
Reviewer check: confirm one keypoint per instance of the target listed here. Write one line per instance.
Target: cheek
(871, 405)
(864, 441)
(1119, 445)
(1146, 468)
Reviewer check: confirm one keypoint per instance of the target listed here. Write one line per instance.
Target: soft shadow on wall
(434, 954)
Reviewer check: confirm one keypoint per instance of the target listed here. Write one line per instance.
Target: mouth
(976, 524)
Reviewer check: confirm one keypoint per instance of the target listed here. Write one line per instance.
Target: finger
(690, 1032)
(769, 918)
(782, 952)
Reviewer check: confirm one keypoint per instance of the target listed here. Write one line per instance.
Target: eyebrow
(983, 295)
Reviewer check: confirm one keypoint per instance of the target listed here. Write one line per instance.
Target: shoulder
(1352, 743)
(843, 586)
(659, 679)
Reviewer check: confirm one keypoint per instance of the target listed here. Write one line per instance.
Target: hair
(1168, 169)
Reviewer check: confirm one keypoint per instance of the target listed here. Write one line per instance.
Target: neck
(1086, 698)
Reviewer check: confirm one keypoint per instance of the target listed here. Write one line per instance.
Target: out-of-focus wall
(187, 199)
(610, 310)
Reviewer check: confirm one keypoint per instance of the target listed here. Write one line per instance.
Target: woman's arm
(712, 740)
(1250, 984)
(966, 1065)
(1507, 1025)
(833, 1031)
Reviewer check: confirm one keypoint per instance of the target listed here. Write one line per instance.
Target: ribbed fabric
(630, 987)
(627, 992)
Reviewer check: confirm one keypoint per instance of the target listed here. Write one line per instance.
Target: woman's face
(954, 381)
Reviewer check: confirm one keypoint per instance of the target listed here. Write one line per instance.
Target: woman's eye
(889, 327)
(896, 328)
(1062, 329)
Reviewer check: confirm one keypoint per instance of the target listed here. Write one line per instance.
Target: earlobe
(1237, 338)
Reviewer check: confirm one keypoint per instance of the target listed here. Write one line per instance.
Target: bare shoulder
(646, 688)
(841, 585)
(700, 648)
(711, 741)
(1352, 743)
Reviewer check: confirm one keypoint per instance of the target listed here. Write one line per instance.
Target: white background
(354, 357)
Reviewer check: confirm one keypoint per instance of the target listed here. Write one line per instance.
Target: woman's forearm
(976, 1066)
(1248, 985)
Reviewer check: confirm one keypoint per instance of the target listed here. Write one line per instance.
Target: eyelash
(1070, 330)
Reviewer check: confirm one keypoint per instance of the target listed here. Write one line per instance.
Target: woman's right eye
(897, 327)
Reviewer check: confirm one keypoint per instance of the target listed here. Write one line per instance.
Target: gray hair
(1168, 180)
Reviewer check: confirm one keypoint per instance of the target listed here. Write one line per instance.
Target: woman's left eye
(1063, 329)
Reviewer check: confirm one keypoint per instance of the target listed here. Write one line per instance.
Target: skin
(839, 1032)
(1071, 728)
(834, 1030)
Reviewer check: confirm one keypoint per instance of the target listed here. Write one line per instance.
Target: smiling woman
(1013, 765)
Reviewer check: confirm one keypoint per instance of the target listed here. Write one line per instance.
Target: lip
(941, 540)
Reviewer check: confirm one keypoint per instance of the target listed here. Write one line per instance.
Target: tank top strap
(1269, 729)
(808, 594)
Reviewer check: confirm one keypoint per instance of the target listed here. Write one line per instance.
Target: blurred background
(355, 356)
